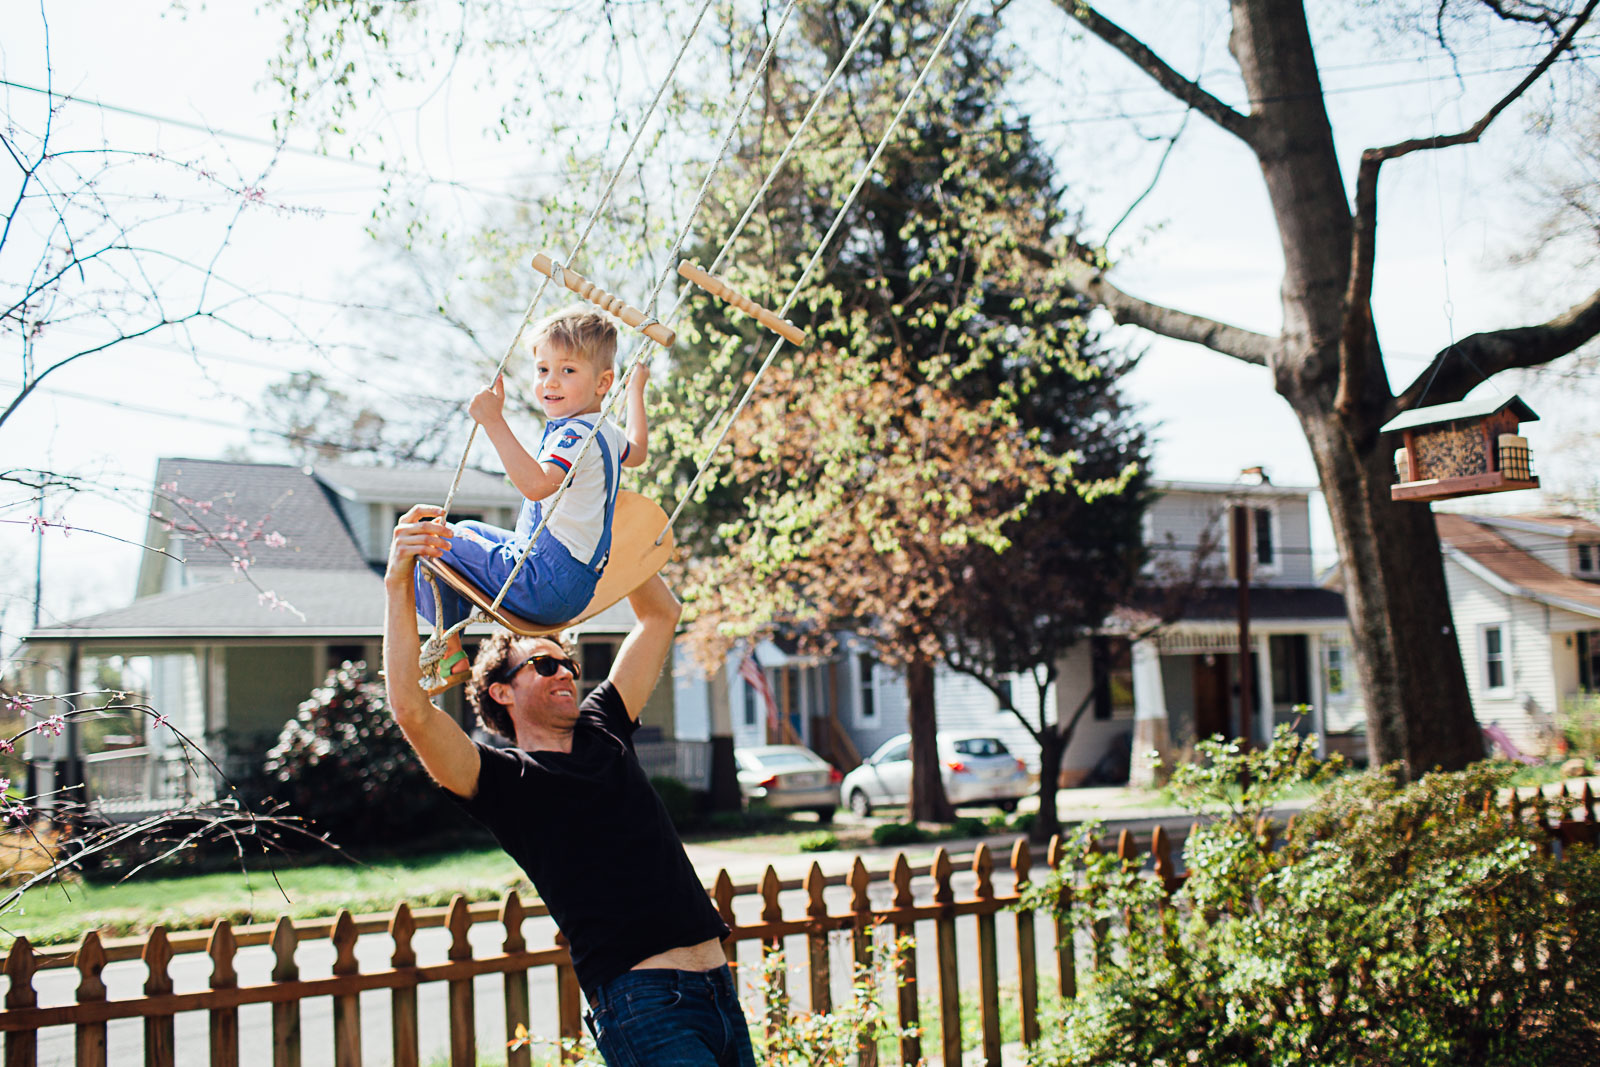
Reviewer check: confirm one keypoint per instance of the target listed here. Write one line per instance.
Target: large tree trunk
(1418, 708)
(1328, 364)
(928, 800)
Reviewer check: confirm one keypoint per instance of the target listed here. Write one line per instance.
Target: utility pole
(1239, 549)
(38, 565)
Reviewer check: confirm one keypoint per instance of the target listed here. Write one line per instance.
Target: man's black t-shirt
(596, 841)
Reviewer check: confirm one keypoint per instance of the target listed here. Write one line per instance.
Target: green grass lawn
(63, 912)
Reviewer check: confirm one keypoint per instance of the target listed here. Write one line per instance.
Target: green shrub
(343, 763)
(1579, 723)
(898, 833)
(1392, 925)
(967, 826)
(1022, 821)
(818, 841)
(678, 800)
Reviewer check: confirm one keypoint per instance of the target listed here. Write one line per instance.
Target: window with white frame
(1493, 644)
(1264, 538)
(1336, 664)
(1588, 558)
(867, 709)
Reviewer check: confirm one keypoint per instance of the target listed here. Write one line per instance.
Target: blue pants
(551, 587)
(664, 1018)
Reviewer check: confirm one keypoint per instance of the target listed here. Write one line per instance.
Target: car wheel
(859, 804)
(825, 815)
(1007, 806)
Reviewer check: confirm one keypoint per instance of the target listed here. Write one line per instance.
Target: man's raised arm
(446, 751)
(646, 648)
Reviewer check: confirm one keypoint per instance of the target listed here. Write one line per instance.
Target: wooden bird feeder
(1463, 449)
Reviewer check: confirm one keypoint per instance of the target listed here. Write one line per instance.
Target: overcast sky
(193, 89)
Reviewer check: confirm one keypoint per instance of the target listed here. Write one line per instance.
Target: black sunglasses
(546, 665)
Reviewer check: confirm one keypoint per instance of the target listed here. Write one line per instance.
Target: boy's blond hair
(582, 331)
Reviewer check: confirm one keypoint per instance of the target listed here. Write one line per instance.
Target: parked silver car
(976, 769)
(789, 777)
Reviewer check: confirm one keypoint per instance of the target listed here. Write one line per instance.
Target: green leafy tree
(873, 464)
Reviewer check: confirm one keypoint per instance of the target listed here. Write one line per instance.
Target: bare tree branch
(1141, 55)
(1353, 346)
(1235, 341)
(1457, 369)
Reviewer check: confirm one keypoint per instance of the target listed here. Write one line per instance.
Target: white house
(1178, 683)
(199, 643)
(1525, 594)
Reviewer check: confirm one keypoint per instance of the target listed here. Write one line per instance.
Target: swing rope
(594, 217)
(632, 361)
(788, 150)
(650, 305)
(433, 649)
(816, 256)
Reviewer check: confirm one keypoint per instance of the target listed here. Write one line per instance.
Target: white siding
(1524, 705)
(964, 704)
(1180, 520)
(1093, 736)
(691, 697)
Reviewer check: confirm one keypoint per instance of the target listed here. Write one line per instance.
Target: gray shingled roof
(281, 499)
(418, 485)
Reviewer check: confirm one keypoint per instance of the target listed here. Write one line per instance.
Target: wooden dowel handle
(605, 301)
(727, 293)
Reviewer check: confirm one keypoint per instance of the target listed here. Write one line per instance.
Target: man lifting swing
(572, 805)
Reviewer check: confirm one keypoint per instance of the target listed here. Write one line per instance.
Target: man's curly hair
(495, 656)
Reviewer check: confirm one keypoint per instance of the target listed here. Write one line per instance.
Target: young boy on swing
(573, 355)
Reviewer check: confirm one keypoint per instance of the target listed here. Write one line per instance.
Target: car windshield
(779, 761)
(981, 746)
(895, 753)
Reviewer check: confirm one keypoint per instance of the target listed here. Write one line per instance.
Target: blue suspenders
(602, 550)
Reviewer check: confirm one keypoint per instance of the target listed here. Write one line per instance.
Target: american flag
(753, 675)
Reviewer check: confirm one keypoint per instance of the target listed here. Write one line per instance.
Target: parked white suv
(976, 769)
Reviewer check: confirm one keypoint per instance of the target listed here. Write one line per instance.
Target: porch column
(1150, 729)
(1319, 695)
(1266, 717)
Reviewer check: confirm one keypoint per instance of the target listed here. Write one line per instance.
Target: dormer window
(1589, 558)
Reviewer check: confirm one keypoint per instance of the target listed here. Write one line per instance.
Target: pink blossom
(17, 811)
(5, 786)
(169, 487)
(54, 725)
(6, 746)
(160, 721)
(19, 703)
(275, 540)
(37, 523)
(241, 565)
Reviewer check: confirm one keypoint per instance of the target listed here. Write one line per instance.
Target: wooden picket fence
(861, 923)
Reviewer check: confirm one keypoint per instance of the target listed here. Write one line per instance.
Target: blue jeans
(665, 1018)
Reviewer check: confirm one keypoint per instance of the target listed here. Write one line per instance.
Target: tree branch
(1457, 369)
(1140, 54)
(1235, 341)
(1353, 345)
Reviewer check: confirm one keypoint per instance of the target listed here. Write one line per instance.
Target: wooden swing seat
(635, 559)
